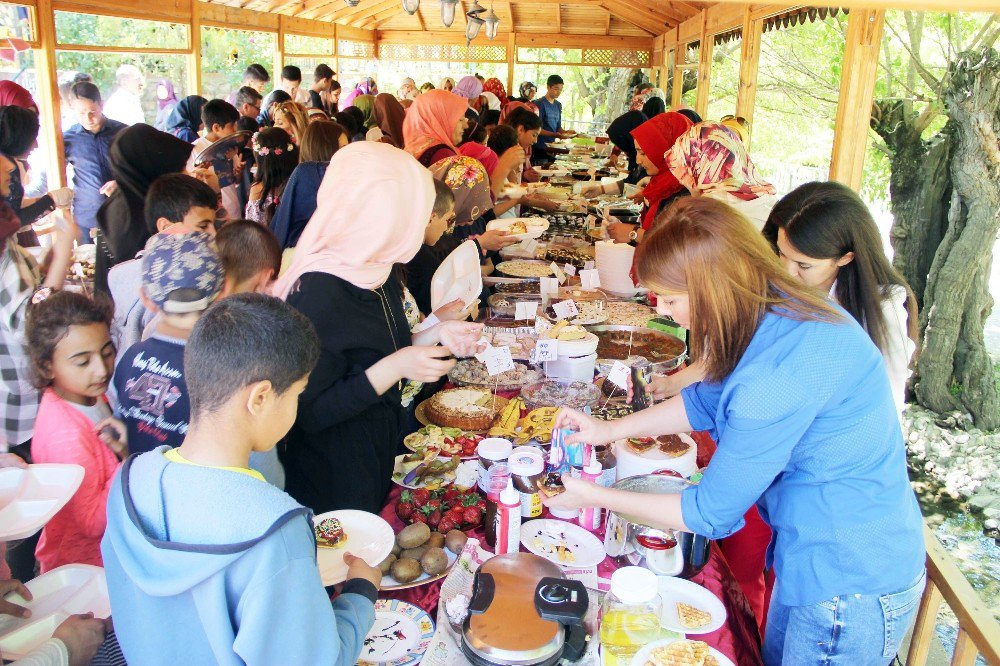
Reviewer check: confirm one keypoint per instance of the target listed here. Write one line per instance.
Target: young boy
(291, 83)
(181, 276)
(250, 255)
(220, 119)
(550, 111)
(175, 203)
(193, 535)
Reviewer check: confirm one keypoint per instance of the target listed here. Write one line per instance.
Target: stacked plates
(614, 263)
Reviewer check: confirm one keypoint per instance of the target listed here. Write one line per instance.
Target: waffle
(691, 617)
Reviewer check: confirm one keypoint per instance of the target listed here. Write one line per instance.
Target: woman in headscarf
(426, 87)
(710, 160)
(11, 94)
(528, 91)
(407, 90)
(166, 100)
(139, 155)
(434, 126)
(366, 86)
(273, 99)
(470, 88)
(184, 122)
(388, 115)
(620, 133)
(447, 83)
(495, 86)
(639, 97)
(342, 447)
(366, 105)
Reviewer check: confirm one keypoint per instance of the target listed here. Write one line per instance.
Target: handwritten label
(589, 265)
(546, 350)
(525, 310)
(569, 269)
(549, 285)
(542, 327)
(590, 222)
(565, 309)
(558, 272)
(590, 279)
(529, 245)
(619, 375)
(497, 359)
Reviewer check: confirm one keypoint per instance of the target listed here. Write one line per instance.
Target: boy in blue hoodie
(206, 562)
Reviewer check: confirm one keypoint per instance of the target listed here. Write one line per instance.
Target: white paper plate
(645, 654)
(30, 497)
(536, 226)
(368, 536)
(674, 590)
(64, 591)
(543, 536)
(401, 634)
(458, 277)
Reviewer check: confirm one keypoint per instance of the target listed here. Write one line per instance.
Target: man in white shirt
(291, 83)
(125, 104)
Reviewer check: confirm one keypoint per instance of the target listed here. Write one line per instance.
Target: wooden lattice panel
(616, 57)
(352, 49)
(443, 52)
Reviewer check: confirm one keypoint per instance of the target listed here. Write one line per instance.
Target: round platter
(369, 537)
(421, 413)
(472, 372)
(400, 636)
(524, 269)
(389, 583)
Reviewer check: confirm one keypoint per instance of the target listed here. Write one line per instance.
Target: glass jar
(630, 612)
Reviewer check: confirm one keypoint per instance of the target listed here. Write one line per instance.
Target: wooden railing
(978, 632)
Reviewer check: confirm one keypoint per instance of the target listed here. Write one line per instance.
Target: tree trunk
(955, 369)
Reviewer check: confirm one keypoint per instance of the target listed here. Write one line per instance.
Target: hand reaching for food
(461, 338)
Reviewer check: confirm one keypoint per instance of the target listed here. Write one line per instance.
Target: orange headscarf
(431, 121)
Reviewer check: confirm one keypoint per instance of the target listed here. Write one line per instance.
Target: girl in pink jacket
(69, 340)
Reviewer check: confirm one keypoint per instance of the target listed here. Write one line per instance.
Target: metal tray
(661, 366)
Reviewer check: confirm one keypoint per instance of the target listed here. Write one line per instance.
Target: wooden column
(857, 86)
(511, 59)
(279, 52)
(704, 67)
(677, 92)
(746, 95)
(48, 95)
(336, 57)
(194, 59)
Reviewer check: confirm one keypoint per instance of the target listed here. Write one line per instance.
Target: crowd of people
(261, 326)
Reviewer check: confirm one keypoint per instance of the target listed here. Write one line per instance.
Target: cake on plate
(470, 409)
(330, 533)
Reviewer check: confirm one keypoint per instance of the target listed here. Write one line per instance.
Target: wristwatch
(633, 237)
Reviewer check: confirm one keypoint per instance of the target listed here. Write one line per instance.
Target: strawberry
(404, 510)
(434, 504)
(418, 517)
(421, 496)
(472, 499)
(446, 525)
(434, 518)
(450, 496)
(472, 516)
(457, 511)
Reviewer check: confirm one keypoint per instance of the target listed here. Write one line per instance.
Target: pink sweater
(64, 435)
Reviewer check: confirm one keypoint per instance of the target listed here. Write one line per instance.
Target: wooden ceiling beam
(373, 11)
(320, 9)
(558, 17)
(374, 20)
(646, 10)
(607, 24)
(651, 27)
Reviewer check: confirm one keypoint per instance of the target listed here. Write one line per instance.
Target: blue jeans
(854, 629)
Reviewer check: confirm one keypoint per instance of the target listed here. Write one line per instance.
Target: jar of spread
(609, 464)
(491, 451)
(496, 480)
(527, 466)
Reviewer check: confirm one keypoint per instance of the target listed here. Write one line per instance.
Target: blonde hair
(296, 116)
(706, 249)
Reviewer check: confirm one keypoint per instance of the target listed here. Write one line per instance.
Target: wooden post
(48, 95)
(923, 628)
(677, 91)
(857, 87)
(511, 59)
(279, 51)
(194, 59)
(336, 55)
(704, 67)
(965, 650)
(746, 95)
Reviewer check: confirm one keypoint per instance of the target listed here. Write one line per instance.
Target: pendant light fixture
(472, 29)
(411, 6)
(475, 10)
(492, 24)
(352, 3)
(448, 12)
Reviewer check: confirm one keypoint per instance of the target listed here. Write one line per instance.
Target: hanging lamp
(352, 3)
(475, 10)
(411, 6)
(448, 12)
(472, 29)
(492, 24)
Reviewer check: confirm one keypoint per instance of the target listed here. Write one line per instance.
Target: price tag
(542, 327)
(529, 245)
(590, 279)
(590, 222)
(549, 285)
(546, 350)
(619, 375)
(525, 310)
(589, 265)
(558, 272)
(497, 359)
(569, 269)
(565, 309)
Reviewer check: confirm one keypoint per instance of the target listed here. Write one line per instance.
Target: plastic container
(609, 465)
(572, 368)
(590, 516)
(507, 524)
(527, 465)
(498, 475)
(630, 612)
(491, 451)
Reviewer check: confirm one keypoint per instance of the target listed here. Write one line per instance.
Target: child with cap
(181, 276)
(194, 535)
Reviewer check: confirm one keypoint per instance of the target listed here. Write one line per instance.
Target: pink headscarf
(468, 87)
(478, 151)
(711, 157)
(390, 190)
(11, 94)
(431, 121)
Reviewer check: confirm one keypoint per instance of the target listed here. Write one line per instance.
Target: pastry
(628, 313)
(691, 617)
(470, 409)
(575, 395)
(524, 269)
(682, 653)
(329, 533)
(672, 445)
(641, 444)
(551, 484)
(656, 347)
(474, 372)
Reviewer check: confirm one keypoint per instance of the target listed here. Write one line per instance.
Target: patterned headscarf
(495, 86)
(655, 137)
(639, 98)
(711, 158)
(468, 180)
(525, 87)
(366, 86)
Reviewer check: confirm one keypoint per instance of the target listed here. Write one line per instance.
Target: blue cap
(181, 261)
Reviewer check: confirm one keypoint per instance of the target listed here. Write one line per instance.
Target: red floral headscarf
(710, 157)
(494, 86)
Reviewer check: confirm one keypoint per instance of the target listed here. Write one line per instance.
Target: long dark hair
(276, 158)
(828, 220)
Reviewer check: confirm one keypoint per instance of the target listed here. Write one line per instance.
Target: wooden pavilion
(645, 34)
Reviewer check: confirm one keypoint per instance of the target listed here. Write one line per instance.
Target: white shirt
(899, 347)
(124, 107)
(301, 96)
(757, 210)
(96, 412)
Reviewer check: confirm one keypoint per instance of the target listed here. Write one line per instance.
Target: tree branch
(921, 70)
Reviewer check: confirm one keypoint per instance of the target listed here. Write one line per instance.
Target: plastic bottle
(508, 520)
(590, 516)
(497, 477)
(630, 613)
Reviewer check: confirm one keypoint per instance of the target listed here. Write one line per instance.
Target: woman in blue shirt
(797, 397)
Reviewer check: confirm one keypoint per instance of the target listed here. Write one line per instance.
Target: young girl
(276, 156)
(69, 339)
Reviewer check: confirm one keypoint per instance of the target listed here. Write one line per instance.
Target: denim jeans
(854, 629)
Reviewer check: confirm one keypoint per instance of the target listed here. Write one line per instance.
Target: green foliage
(95, 30)
(225, 54)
